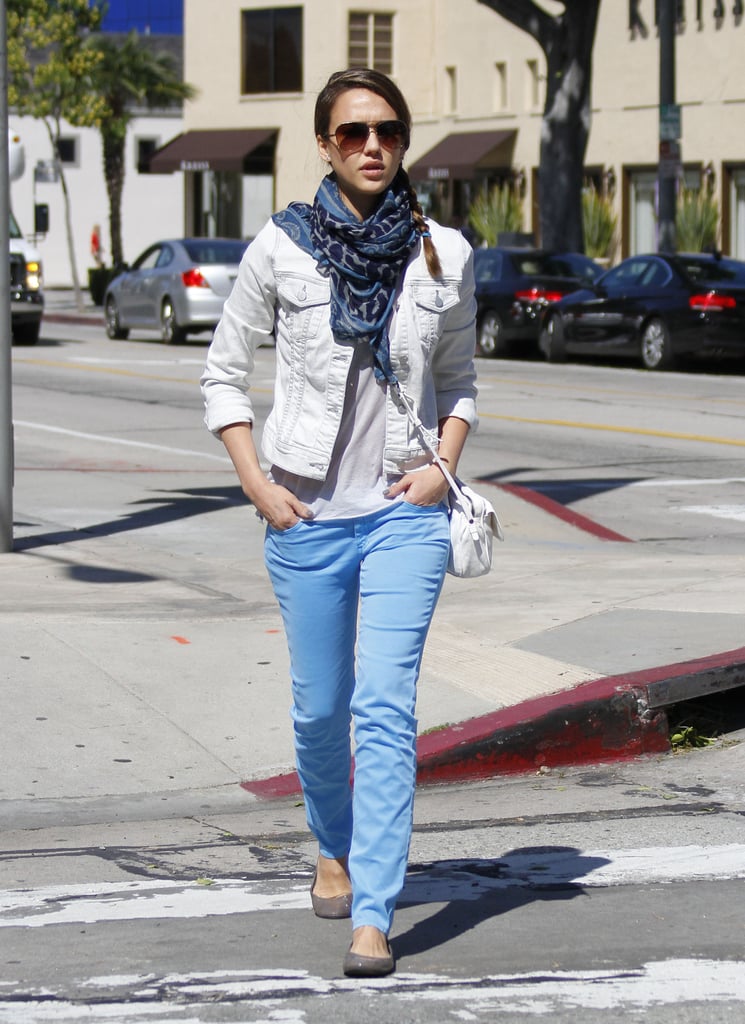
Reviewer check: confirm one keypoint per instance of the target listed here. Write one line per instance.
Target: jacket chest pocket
(303, 305)
(432, 301)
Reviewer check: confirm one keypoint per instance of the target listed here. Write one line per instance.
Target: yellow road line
(671, 434)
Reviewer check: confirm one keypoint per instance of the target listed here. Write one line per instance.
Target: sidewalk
(142, 656)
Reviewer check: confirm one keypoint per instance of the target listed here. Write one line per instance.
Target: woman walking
(358, 291)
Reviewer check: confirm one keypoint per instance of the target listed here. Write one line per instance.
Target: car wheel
(551, 340)
(27, 334)
(113, 328)
(491, 341)
(170, 331)
(656, 349)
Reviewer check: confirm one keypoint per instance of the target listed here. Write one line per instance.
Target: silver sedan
(177, 287)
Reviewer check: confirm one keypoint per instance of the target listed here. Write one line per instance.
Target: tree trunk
(567, 41)
(566, 127)
(54, 139)
(113, 169)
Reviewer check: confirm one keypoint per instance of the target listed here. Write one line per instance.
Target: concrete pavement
(142, 658)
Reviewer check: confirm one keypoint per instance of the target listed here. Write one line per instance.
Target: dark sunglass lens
(352, 134)
(391, 133)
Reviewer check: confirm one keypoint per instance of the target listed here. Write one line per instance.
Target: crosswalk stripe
(440, 882)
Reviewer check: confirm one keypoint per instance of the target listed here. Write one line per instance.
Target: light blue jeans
(389, 568)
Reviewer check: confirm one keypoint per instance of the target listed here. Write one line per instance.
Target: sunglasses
(352, 136)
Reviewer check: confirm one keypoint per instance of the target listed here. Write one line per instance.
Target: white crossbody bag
(473, 521)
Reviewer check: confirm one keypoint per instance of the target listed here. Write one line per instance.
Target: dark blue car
(654, 308)
(514, 287)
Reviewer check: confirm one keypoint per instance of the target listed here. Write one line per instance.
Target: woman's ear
(323, 148)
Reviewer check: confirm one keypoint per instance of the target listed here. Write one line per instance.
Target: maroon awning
(459, 155)
(229, 149)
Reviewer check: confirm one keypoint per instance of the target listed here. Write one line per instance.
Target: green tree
(131, 75)
(567, 40)
(50, 76)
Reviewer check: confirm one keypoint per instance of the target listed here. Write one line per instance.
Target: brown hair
(381, 85)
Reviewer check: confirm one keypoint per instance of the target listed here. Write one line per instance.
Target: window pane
(288, 56)
(357, 40)
(383, 43)
(257, 51)
(273, 50)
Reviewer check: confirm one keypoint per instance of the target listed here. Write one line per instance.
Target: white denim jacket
(280, 296)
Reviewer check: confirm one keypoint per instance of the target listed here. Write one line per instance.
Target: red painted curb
(94, 320)
(560, 511)
(605, 719)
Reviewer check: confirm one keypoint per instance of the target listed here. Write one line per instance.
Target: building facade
(476, 87)
(152, 206)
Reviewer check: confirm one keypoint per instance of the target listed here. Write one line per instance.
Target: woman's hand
(424, 487)
(278, 506)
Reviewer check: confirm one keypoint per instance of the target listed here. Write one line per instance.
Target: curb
(85, 320)
(614, 718)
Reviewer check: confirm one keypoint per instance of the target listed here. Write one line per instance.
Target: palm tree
(131, 75)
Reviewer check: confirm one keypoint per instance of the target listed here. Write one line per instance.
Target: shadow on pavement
(176, 505)
(474, 891)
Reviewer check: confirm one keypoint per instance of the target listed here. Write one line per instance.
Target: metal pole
(6, 339)
(667, 172)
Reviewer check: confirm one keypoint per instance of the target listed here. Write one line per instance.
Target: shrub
(696, 220)
(496, 211)
(599, 223)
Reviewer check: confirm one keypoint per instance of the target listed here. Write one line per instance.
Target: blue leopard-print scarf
(363, 259)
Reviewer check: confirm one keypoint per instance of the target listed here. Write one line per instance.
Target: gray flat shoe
(358, 966)
(332, 907)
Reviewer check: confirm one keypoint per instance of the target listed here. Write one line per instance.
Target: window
(370, 42)
(272, 57)
(451, 95)
(533, 85)
(67, 150)
(144, 149)
(500, 86)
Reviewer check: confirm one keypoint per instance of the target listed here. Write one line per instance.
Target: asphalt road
(610, 893)
(606, 893)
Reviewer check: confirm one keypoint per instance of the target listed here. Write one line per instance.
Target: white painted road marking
(192, 998)
(451, 880)
(736, 512)
(120, 441)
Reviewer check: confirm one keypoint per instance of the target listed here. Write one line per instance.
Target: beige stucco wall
(433, 35)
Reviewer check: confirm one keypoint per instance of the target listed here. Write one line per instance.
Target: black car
(514, 287)
(654, 307)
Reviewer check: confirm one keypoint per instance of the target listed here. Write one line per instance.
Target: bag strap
(425, 435)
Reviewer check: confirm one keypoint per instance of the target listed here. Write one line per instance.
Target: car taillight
(538, 295)
(711, 301)
(194, 279)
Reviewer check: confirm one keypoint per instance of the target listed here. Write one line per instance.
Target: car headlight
(33, 275)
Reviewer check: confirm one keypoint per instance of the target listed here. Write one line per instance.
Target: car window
(148, 259)
(165, 257)
(487, 265)
(214, 251)
(629, 273)
(656, 275)
(721, 271)
(573, 264)
(532, 265)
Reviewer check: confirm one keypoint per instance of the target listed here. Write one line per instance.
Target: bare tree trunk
(113, 169)
(54, 133)
(567, 41)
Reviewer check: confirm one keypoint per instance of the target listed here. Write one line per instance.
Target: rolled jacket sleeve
(247, 321)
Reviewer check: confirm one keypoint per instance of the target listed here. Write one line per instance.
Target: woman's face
(364, 168)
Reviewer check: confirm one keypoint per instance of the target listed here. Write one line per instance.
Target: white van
(26, 296)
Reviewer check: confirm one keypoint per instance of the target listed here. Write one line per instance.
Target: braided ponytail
(430, 252)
